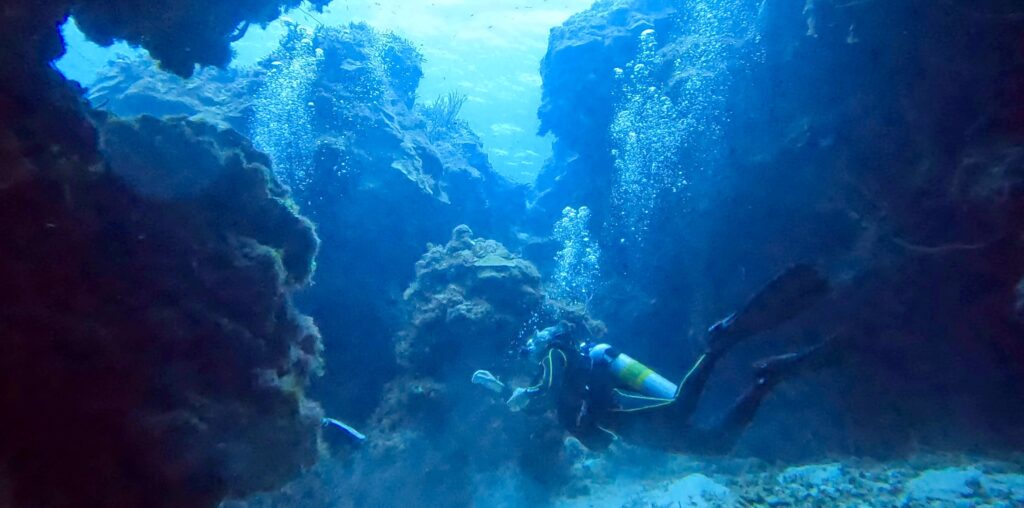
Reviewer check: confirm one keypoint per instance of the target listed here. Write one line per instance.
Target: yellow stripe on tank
(634, 375)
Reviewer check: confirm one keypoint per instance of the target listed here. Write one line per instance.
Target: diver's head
(552, 336)
(541, 340)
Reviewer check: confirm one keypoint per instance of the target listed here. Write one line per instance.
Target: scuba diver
(601, 393)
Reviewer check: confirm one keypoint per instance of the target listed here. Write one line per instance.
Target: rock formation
(470, 300)
(153, 356)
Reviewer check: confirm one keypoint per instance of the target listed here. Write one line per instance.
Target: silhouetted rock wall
(152, 356)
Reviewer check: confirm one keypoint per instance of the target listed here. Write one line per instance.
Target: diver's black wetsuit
(669, 424)
(580, 394)
(594, 408)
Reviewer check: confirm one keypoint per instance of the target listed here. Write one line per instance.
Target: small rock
(1009, 487)
(950, 485)
(696, 491)
(815, 481)
(815, 475)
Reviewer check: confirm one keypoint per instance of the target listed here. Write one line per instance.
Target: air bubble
(577, 263)
(282, 126)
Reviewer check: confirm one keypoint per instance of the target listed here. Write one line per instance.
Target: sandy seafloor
(924, 480)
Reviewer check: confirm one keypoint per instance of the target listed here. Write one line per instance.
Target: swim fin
(779, 367)
(782, 299)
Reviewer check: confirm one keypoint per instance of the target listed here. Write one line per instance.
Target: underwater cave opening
(488, 51)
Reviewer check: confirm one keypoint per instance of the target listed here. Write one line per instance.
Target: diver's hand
(487, 380)
(519, 399)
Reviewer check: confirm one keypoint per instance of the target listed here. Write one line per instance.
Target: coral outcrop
(469, 302)
(879, 140)
(436, 437)
(578, 101)
(470, 297)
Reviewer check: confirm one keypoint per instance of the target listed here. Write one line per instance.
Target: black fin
(818, 356)
(782, 299)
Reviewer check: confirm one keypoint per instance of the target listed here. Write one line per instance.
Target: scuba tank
(633, 374)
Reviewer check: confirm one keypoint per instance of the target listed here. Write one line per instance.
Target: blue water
(442, 253)
(493, 57)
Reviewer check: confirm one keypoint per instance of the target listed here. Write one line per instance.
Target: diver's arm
(552, 376)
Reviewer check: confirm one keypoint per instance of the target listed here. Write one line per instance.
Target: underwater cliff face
(877, 139)
(152, 353)
(148, 315)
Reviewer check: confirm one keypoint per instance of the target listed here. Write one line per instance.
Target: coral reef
(132, 87)
(436, 437)
(377, 173)
(578, 103)
(469, 298)
(868, 137)
(466, 307)
(153, 355)
(442, 115)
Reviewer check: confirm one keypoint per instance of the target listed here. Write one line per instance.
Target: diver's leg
(691, 387)
(721, 437)
(816, 357)
(718, 343)
(666, 427)
(781, 299)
